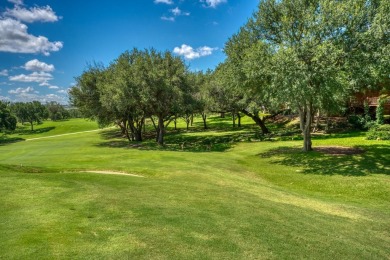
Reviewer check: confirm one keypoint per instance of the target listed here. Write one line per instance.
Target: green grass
(216, 197)
(49, 128)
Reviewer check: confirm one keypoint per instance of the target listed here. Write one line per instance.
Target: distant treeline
(33, 112)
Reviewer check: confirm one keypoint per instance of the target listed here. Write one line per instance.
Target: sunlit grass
(247, 200)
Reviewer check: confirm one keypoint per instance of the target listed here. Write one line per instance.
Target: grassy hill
(216, 194)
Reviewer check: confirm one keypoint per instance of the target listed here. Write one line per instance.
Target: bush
(379, 132)
(362, 122)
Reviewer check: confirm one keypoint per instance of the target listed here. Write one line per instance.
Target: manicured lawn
(206, 195)
(49, 128)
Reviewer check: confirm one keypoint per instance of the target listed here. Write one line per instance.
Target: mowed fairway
(250, 200)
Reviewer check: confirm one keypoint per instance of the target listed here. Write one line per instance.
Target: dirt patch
(115, 173)
(338, 150)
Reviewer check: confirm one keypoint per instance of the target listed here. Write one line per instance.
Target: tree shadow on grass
(22, 131)
(374, 159)
(4, 140)
(178, 140)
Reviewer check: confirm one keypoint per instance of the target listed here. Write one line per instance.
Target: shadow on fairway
(4, 140)
(375, 159)
(179, 140)
(22, 131)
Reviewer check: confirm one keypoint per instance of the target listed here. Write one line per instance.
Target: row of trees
(136, 86)
(307, 56)
(32, 112)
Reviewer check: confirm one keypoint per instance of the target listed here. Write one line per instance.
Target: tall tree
(56, 111)
(164, 78)
(310, 53)
(86, 95)
(31, 112)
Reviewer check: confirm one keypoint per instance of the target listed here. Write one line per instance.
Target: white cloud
(16, 2)
(4, 98)
(14, 38)
(39, 77)
(53, 87)
(190, 53)
(34, 14)
(213, 3)
(170, 19)
(36, 65)
(168, 2)
(62, 91)
(21, 90)
(3, 72)
(176, 12)
(206, 51)
(28, 97)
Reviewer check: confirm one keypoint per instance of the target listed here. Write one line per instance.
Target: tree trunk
(204, 117)
(192, 120)
(222, 114)
(175, 122)
(306, 116)
(317, 122)
(234, 119)
(257, 120)
(156, 127)
(127, 132)
(32, 125)
(327, 127)
(239, 119)
(160, 138)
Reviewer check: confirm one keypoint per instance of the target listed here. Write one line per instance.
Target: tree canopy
(309, 55)
(7, 119)
(137, 85)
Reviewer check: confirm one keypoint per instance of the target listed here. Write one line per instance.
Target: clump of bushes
(379, 132)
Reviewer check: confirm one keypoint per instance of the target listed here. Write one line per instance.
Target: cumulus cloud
(62, 91)
(3, 72)
(16, 2)
(34, 14)
(28, 97)
(38, 77)
(190, 53)
(21, 90)
(36, 65)
(168, 2)
(15, 38)
(4, 98)
(213, 3)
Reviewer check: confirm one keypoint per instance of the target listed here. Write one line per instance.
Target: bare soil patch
(338, 150)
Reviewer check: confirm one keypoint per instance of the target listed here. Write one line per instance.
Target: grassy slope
(244, 202)
(49, 128)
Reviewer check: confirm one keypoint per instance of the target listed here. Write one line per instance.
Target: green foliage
(31, 112)
(379, 132)
(7, 120)
(138, 84)
(57, 111)
(380, 109)
(310, 55)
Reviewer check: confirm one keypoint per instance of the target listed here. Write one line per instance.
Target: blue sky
(45, 44)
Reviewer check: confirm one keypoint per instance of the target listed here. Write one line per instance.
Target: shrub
(362, 122)
(379, 132)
